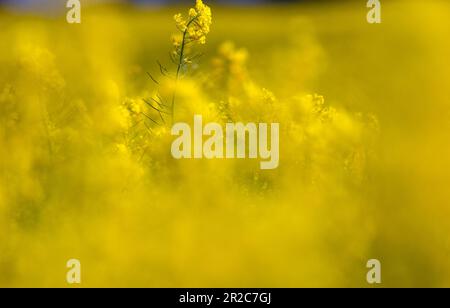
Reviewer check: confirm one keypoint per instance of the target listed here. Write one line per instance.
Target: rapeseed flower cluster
(198, 24)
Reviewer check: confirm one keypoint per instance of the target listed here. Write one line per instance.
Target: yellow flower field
(86, 170)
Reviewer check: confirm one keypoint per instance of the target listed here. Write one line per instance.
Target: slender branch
(162, 69)
(153, 79)
(180, 65)
(150, 118)
(153, 107)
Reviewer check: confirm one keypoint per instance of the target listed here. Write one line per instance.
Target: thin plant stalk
(180, 65)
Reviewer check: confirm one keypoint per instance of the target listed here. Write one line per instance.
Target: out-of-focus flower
(229, 70)
(177, 40)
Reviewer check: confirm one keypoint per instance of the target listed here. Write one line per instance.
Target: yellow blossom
(192, 13)
(180, 22)
(198, 26)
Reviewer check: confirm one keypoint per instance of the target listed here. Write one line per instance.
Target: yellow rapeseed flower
(180, 22)
(197, 27)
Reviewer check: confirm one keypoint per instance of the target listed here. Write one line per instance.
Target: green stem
(180, 65)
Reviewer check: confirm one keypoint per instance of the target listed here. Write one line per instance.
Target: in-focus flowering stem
(180, 65)
(193, 30)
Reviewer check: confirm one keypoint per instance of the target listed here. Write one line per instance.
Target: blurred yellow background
(364, 162)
